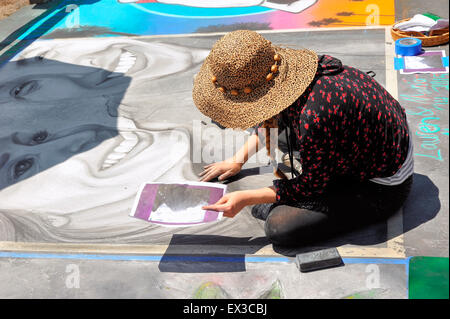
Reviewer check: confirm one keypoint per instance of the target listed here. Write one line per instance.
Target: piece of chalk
(319, 259)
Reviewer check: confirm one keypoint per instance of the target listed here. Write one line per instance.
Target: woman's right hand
(222, 170)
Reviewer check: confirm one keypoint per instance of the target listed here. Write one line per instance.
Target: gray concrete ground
(427, 208)
(18, 19)
(35, 278)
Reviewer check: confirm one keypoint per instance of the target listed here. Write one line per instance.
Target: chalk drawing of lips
(129, 144)
(126, 61)
(125, 64)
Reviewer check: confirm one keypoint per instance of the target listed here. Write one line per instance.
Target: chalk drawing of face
(67, 163)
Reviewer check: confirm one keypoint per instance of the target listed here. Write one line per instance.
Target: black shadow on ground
(422, 205)
(196, 261)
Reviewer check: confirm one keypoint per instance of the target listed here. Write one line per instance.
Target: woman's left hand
(230, 204)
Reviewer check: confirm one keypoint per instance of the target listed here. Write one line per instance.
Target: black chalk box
(320, 259)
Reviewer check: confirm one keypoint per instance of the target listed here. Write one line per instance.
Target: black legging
(345, 206)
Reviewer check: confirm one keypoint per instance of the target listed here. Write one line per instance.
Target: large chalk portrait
(83, 123)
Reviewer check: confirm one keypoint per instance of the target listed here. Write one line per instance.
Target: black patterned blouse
(345, 123)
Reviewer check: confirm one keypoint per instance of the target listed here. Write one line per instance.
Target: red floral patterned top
(345, 123)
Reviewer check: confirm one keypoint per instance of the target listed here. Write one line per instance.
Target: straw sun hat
(246, 80)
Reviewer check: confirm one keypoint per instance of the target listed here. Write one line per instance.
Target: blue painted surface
(445, 61)
(399, 63)
(388, 261)
(393, 261)
(152, 18)
(142, 257)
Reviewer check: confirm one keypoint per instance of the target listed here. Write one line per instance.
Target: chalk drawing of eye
(24, 89)
(22, 167)
(39, 137)
(30, 139)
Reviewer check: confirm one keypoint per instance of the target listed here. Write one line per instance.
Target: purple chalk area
(146, 200)
(214, 195)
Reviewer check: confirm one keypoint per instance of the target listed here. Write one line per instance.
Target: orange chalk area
(332, 13)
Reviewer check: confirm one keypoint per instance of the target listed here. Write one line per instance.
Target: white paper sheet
(178, 204)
